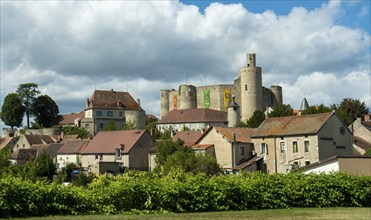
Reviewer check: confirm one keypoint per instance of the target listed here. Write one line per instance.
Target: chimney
(138, 100)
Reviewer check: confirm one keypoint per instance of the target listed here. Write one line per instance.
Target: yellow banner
(227, 97)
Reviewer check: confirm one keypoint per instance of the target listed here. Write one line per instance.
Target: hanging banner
(227, 97)
(174, 102)
(207, 98)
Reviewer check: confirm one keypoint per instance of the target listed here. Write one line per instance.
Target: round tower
(277, 95)
(188, 97)
(233, 113)
(251, 88)
(164, 100)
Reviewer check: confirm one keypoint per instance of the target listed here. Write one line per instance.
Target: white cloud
(70, 48)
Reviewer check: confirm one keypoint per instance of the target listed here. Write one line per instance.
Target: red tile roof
(40, 139)
(69, 119)
(189, 137)
(113, 100)
(72, 146)
(5, 141)
(106, 142)
(242, 135)
(24, 154)
(292, 125)
(194, 115)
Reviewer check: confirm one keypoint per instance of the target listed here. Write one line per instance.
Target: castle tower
(164, 100)
(251, 88)
(277, 95)
(187, 96)
(233, 113)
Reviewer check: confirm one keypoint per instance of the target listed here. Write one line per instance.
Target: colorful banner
(227, 97)
(174, 102)
(207, 98)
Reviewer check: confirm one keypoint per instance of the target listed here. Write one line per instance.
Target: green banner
(207, 98)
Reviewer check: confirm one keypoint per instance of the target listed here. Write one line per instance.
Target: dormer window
(110, 113)
(99, 113)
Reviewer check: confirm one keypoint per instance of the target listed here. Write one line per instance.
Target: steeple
(304, 105)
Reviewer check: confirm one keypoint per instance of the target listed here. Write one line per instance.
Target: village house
(192, 119)
(124, 149)
(7, 142)
(22, 155)
(361, 129)
(26, 141)
(189, 137)
(231, 147)
(296, 141)
(70, 152)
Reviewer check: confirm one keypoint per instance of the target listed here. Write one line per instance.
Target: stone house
(297, 141)
(70, 152)
(26, 141)
(129, 148)
(189, 137)
(192, 119)
(361, 129)
(105, 106)
(230, 146)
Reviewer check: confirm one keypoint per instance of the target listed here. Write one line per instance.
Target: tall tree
(254, 121)
(349, 109)
(315, 109)
(27, 92)
(45, 111)
(12, 110)
(281, 111)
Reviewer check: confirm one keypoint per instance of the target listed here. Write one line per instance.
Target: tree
(110, 126)
(367, 153)
(46, 112)
(316, 109)
(27, 92)
(12, 110)
(44, 167)
(166, 148)
(281, 111)
(349, 109)
(73, 130)
(254, 121)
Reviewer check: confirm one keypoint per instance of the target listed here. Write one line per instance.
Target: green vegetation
(12, 111)
(367, 153)
(182, 192)
(281, 111)
(46, 112)
(315, 109)
(350, 213)
(27, 92)
(110, 126)
(73, 130)
(254, 121)
(349, 109)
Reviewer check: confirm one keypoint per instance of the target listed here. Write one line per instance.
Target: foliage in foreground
(182, 192)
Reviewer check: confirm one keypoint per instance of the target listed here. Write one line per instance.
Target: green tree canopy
(46, 111)
(27, 92)
(349, 109)
(315, 109)
(254, 121)
(73, 130)
(281, 111)
(110, 126)
(44, 167)
(166, 148)
(12, 111)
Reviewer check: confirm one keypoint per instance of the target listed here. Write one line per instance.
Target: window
(23, 145)
(242, 151)
(245, 87)
(307, 163)
(306, 146)
(282, 147)
(86, 125)
(120, 114)
(110, 113)
(99, 113)
(118, 153)
(264, 148)
(101, 125)
(294, 146)
(101, 157)
(96, 157)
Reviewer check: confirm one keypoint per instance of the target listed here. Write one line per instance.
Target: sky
(314, 49)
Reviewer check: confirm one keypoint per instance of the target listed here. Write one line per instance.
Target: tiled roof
(361, 143)
(5, 141)
(24, 154)
(242, 135)
(72, 146)
(40, 139)
(292, 125)
(70, 118)
(247, 163)
(106, 142)
(195, 115)
(49, 149)
(113, 100)
(367, 124)
(189, 137)
(202, 146)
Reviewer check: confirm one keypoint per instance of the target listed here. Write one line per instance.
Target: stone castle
(247, 90)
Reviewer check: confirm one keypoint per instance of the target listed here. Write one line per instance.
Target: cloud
(71, 48)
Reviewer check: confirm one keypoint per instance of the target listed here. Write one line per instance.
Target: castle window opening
(245, 87)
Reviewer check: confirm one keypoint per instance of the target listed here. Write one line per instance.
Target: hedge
(182, 192)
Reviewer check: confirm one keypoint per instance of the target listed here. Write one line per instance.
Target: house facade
(192, 119)
(70, 153)
(129, 148)
(296, 141)
(230, 146)
(361, 129)
(26, 141)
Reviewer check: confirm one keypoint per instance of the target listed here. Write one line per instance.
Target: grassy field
(297, 213)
